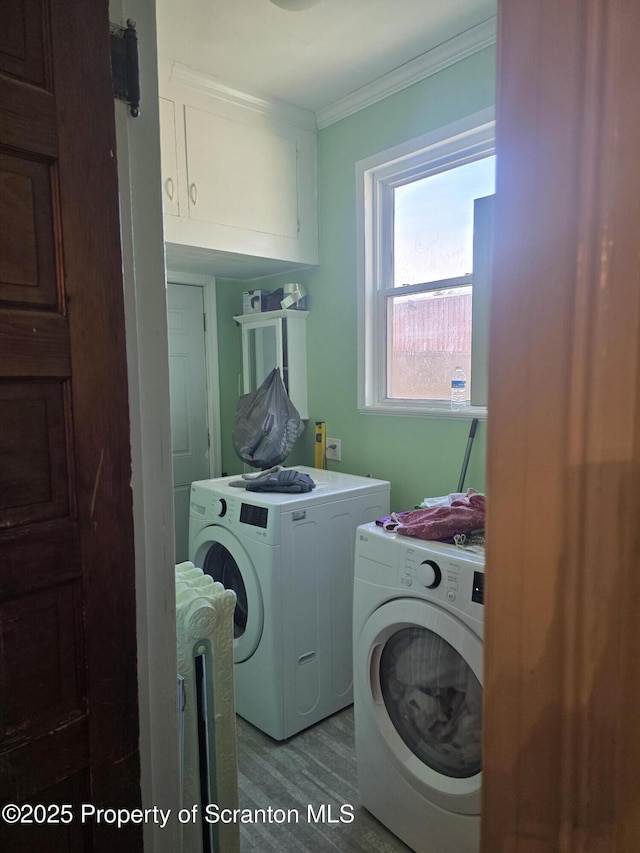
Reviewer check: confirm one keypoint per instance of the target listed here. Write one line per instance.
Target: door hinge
(125, 73)
(208, 439)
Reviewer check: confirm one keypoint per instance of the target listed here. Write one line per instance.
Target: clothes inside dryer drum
(221, 566)
(434, 701)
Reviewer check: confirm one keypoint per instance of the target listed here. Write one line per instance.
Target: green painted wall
(420, 456)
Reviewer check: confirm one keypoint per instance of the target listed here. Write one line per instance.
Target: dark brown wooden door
(68, 675)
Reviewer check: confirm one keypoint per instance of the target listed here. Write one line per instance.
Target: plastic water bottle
(459, 390)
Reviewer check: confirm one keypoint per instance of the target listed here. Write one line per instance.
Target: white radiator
(205, 662)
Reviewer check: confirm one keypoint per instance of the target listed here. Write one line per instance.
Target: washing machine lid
(371, 535)
(424, 691)
(219, 554)
(329, 486)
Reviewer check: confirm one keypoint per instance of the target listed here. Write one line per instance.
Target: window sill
(401, 410)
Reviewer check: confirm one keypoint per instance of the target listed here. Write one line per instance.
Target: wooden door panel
(27, 117)
(33, 766)
(33, 454)
(34, 344)
(40, 681)
(22, 40)
(26, 567)
(55, 838)
(27, 257)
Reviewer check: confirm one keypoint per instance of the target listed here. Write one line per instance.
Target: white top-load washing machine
(289, 558)
(418, 628)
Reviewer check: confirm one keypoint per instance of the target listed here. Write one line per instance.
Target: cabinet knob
(193, 192)
(170, 188)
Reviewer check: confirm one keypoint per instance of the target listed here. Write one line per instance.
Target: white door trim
(208, 285)
(139, 173)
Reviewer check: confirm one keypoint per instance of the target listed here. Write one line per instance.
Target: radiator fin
(205, 662)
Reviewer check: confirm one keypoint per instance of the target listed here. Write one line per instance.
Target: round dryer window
(219, 554)
(221, 566)
(434, 700)
(418, 678)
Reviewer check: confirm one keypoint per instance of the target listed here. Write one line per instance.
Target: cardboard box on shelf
(254, 301)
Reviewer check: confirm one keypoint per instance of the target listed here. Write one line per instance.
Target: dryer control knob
(220, 507)
(430, 574)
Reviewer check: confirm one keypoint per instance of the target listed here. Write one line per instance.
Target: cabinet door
(169, 159)
(240, 176)
(262, 350)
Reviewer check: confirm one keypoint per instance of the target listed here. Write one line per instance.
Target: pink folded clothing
(464, 515)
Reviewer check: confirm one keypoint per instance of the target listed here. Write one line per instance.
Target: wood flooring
(313, 769)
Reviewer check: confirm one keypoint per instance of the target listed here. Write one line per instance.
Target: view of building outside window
(429, 331)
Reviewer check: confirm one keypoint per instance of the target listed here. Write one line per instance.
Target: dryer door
(424, 692)
(219, 554)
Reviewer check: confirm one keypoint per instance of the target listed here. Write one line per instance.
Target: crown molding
(437, 59)
(185, 76)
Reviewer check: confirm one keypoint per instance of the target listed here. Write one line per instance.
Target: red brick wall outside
(430, 338)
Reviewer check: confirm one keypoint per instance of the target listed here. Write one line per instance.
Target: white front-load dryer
(418, 628)
(289, 558)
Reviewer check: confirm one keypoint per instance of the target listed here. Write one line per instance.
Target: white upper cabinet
(169, 158)
(238, 176)
(241, 176)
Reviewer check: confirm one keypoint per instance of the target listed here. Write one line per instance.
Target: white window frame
(453, 145)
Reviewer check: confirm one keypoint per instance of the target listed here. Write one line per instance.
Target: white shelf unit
(276, 339)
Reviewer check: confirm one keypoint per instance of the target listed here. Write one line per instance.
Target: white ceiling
(313, 58)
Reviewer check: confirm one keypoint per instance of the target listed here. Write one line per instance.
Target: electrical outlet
(333, 447)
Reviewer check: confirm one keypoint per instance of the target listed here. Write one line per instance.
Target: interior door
(68, 675)
(188, 394)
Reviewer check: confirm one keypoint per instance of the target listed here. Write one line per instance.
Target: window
(423, 303)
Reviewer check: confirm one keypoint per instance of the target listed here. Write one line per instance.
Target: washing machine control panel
(256, 516)
(234, 510)
(478, 587)
(452, 580)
